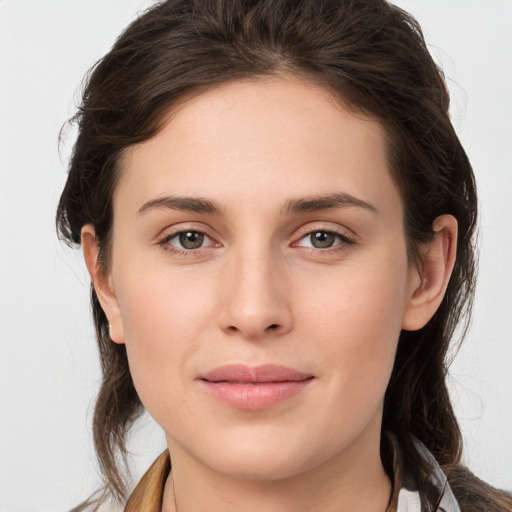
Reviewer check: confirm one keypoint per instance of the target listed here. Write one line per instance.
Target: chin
(269, 467)
(262, 458)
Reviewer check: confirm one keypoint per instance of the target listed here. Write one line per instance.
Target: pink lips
(254, 387)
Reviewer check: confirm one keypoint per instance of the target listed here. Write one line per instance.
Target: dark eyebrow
(316, 203)
(188, 204)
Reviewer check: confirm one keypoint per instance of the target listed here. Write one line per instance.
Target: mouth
(254, 387)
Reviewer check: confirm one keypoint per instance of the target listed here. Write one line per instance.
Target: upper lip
(262, 373)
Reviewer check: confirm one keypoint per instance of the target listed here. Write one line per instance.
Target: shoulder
(475, 495)
(448, 488)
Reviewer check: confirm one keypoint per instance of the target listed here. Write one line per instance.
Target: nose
(255, 302)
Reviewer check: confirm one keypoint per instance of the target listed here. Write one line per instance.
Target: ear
(102, 283)
(427, 285)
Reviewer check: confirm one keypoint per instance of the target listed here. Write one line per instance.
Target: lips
(254, 374)
(254, 387)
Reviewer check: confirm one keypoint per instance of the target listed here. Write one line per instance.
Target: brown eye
(191, 239)
(322, 239)
(187, 242)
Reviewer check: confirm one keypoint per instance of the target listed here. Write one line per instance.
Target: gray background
(48, 361)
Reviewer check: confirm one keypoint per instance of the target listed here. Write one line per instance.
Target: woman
(277, 217)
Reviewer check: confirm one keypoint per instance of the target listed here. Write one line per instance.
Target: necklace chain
(174, 494)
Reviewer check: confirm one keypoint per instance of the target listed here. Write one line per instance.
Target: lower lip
(255, 397)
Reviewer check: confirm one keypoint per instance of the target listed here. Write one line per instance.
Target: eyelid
(172, 236)
(345, 234)
(342, 243)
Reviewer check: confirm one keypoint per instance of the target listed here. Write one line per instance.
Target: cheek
(355, 319)
(162, 303)
(164, 318)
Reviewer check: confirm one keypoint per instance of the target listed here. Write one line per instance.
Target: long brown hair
(373, 56)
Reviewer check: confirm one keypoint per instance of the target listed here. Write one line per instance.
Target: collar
(149, 493)
(405, 496)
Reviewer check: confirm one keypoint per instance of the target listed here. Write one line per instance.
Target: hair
(373, 57)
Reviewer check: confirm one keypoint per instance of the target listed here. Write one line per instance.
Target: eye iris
(322, 239)
(191, 239)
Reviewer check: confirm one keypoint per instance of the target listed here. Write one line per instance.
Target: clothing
(405, 496)
(148, 495)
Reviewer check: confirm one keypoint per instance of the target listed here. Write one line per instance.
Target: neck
(354, 480)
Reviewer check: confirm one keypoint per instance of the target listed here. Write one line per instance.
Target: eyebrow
(331, 201)
(299, 205)
(187, 204)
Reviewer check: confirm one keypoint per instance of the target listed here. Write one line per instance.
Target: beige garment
(149, 493)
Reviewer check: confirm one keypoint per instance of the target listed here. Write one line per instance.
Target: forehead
(268, 138)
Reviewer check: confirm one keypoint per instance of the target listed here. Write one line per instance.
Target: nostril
(251, 331)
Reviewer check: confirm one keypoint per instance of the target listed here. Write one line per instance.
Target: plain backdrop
(48, 360)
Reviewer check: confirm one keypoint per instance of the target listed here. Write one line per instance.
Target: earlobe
(427, 284)
(102, 283)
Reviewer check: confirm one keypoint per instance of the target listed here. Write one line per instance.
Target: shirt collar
(405, 496)
(149, 493)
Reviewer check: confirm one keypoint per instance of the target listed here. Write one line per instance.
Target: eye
(188, 240)
(323, 240)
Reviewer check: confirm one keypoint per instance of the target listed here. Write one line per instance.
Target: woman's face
(261, 227)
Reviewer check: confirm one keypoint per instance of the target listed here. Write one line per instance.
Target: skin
(257, 291)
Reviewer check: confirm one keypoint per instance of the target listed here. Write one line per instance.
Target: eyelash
(343, 239)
